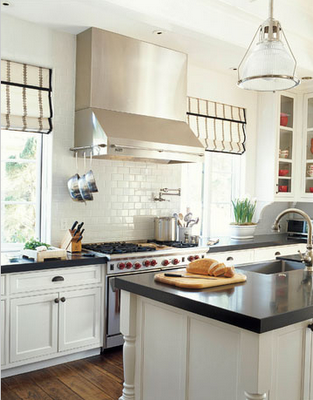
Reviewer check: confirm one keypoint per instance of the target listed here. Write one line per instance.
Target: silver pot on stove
(165, 229)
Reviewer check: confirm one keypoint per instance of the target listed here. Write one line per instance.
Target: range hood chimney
(131, 100)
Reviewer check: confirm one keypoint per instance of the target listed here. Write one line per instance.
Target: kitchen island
(251, 340)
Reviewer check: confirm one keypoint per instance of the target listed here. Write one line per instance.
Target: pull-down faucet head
(306, 258)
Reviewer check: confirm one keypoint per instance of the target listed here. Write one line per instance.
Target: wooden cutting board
(191, 283)
(39, 256)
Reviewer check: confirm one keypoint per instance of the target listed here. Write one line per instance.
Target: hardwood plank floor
(94, 378)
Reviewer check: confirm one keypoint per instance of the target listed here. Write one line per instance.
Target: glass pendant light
(270, 65)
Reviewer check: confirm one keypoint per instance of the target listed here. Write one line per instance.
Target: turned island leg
(128, 328)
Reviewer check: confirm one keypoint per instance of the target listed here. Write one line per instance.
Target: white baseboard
(49, 363)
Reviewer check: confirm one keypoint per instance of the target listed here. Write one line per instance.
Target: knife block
(70, 244)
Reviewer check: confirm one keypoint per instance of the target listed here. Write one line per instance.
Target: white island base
(172, 354)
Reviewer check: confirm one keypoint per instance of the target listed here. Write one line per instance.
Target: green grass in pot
(243, 211)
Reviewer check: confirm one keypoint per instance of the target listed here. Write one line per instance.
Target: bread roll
(202, 266)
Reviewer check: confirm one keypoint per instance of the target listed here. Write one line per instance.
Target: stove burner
(178, 245)
(118, 248)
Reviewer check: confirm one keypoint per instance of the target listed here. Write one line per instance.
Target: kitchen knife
(79, 239)
(83, 230)
(186, 276)
(78, 228)
(74, 225)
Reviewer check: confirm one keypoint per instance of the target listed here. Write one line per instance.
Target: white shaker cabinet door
(3, 332)
(33, 326)
(80, 318)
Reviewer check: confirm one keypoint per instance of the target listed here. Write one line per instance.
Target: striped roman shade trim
(220, 127)
(25, 97)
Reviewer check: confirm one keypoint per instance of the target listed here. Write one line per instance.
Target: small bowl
(283, 153)
(283, 119)
(73, 188)
(282, 188)
(311, 189)
(283, 172)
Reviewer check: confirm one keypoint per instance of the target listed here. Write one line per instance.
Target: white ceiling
(214, 33)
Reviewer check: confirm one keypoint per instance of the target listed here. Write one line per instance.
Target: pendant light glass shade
(270, 65)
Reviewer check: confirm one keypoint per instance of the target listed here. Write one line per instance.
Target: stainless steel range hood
(131, 100)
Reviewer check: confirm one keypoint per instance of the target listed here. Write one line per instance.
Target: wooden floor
(95, 378)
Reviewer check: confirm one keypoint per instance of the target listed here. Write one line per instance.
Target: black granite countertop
(273, 239)
(261, 304)
(14, 262)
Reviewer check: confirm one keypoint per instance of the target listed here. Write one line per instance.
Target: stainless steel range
(134, 258)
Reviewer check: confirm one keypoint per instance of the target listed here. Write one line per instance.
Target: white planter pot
(242, 231)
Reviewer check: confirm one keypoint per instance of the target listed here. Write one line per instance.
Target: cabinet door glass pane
(310, 113)
(286, 111)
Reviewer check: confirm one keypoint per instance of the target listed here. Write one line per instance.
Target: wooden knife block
(69, 243)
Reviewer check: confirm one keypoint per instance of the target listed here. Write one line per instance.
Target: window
(21, 171)
(221, 185)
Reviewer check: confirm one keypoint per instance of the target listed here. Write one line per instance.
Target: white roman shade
(25, 97)
(220, 127)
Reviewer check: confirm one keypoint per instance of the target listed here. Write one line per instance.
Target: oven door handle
(117, 295)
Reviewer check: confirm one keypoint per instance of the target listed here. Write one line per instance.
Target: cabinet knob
(56, 300)
(58, 279)
(277, 253)
(63, 299)
(310, 327)
(229, 259)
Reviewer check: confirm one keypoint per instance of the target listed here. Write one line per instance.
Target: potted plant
(243, 227)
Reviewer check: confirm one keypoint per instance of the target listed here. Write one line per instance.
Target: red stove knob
(175, 261)
(137, 265)
(153, 263)
(197, 257)
(129, 265)
(121, 265)
(146, 263)
(191, 258)
(165, 262)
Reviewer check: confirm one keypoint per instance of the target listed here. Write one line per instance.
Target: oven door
(113, 336)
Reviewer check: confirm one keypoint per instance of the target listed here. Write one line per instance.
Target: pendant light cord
(270, 28)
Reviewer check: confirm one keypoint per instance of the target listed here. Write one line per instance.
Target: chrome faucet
(306, 258)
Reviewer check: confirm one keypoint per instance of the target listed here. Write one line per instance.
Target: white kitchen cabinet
(278, 137)
(233, 257)
(4, 340)
(51, 317)
(307, 150)
(270, 253)
(79, 318)
(214, 360)
(33, 326)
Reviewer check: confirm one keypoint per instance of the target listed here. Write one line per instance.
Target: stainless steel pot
(165, 229)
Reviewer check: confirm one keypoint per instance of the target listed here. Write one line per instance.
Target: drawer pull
(229, 259)
(277, 253)
(63, 299)
(56, 300)
(311, 327)
(58, 279)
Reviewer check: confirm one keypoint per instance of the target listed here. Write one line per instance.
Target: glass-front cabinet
(308, 137)
(285, 170)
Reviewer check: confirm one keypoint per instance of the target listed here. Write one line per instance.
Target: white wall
(123, 208)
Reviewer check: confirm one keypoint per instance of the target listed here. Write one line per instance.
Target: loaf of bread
(208, 266)
(203, 266)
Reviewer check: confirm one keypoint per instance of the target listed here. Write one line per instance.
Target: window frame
(236, 182)
(39, 233)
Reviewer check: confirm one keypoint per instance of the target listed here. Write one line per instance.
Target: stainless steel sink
(272, 267)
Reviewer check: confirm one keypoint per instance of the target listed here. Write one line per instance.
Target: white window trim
(43, 215)
(206, 193)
